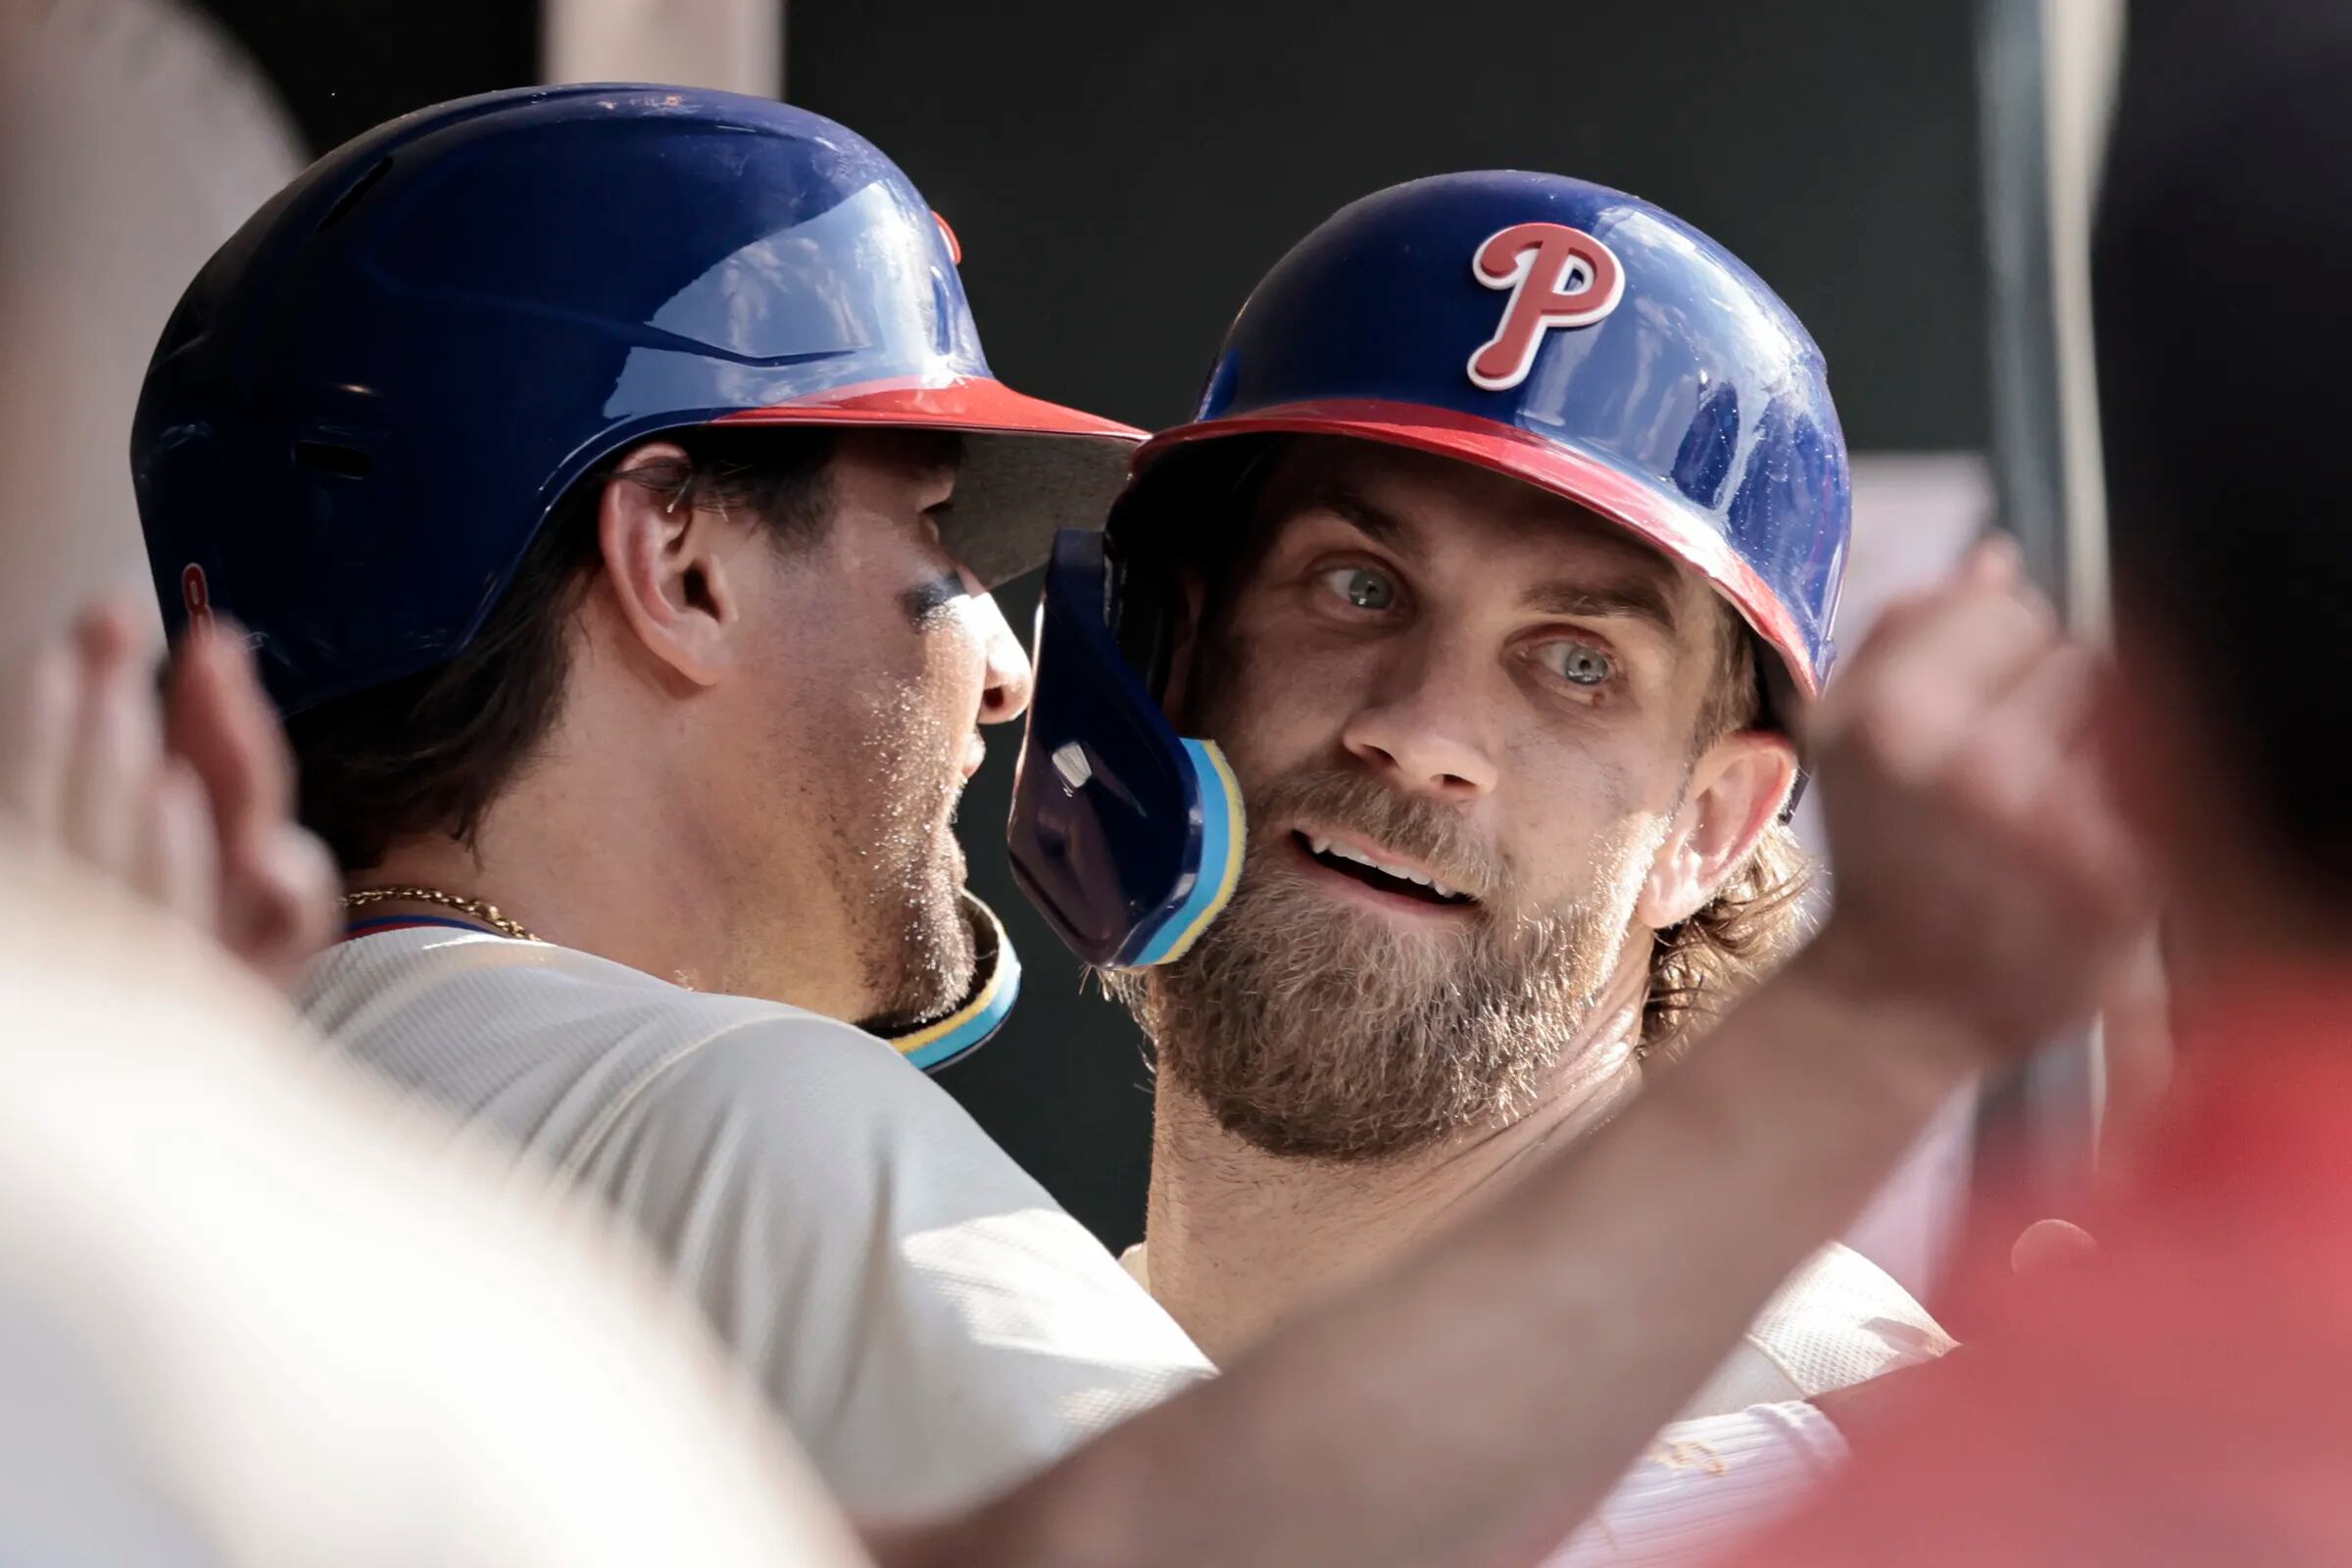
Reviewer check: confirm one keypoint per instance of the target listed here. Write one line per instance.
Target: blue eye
(1362, 587)
(1580, 664)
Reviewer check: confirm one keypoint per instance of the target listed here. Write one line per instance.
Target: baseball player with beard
(1489, 577)
(607, 477)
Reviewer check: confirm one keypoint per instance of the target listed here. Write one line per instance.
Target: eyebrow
(1634, 595)
(1634, 598)
(1378, 525)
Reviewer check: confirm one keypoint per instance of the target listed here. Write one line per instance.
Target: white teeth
(1404, 873)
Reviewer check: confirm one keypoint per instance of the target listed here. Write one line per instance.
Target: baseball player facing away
(605, 476)
(1510, 525)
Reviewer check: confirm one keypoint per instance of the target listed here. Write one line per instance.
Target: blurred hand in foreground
(1983, 870)
(188, 800)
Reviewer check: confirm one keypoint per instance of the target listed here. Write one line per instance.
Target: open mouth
(1401, 881)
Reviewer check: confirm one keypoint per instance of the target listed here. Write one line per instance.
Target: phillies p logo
(1558, 278)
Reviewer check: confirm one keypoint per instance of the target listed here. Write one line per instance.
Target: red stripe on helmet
(976, 403)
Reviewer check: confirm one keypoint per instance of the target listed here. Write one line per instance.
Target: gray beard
(1308, 1029)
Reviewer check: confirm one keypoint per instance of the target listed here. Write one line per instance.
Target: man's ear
(1737, 788)
(667, 563)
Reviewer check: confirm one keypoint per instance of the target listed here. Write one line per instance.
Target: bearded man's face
(1462, 714)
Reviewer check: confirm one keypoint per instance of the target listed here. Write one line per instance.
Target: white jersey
(1747, 1448)
(1838, 1321)
(928, 1322)
(218, 1345)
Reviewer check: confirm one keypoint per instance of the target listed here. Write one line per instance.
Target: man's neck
(589, 851)
(1240, 1239)
(604, 904)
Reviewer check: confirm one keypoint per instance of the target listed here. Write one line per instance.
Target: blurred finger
(281, 909)
(1990, 567)
(219, 718)
(41, 696)
(1921, 697)
(1930, 628)
(2075, 827)
(1993, 561)
(115, 748)
(177, 856)
(2032, 728)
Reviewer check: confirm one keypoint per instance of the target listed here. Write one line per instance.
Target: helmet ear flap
(1173, 528)
(1125, 835)
(1145, 613)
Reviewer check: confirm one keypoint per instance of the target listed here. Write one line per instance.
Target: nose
(1006, 694)
(1420, 729)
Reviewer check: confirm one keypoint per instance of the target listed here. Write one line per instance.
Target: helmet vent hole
(350, 198)
(346, 463)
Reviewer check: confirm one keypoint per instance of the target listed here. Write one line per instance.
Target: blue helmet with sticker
(1569, 335)
(375, 393)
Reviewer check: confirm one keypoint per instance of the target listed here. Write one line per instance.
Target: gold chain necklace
(472, 908)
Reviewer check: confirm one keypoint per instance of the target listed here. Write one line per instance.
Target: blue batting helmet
(372, 396)
(1568, 335)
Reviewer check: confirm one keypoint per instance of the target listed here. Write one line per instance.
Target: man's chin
(936, 964)
(1309, 1025)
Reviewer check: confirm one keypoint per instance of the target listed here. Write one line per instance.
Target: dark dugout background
(1120, 175)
